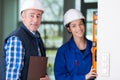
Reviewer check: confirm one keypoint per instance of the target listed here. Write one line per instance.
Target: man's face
(32, 19)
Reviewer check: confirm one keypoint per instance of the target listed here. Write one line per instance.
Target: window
(51, 30)
(90, 1)
(89, 23)
(88, 7)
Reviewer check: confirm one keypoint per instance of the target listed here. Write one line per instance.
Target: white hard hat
(32, 4)
(71, 15)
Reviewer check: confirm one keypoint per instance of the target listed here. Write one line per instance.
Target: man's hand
(45, 78)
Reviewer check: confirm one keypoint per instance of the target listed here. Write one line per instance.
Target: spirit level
(94, 40)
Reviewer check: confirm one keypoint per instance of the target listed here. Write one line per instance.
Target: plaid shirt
(14, 58)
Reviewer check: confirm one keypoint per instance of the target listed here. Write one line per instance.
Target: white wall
(109, 38)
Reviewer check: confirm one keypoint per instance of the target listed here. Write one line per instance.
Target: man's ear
(22, 15)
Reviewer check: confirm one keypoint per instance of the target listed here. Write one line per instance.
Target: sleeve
(60, 69)
(14, 58)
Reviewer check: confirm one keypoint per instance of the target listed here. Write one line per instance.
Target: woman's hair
(68, 25)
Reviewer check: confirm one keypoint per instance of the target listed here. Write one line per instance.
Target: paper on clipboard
(37, 67)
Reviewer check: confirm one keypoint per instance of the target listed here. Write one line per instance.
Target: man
(22, 43)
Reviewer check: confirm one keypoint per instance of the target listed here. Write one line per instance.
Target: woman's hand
(45, 78)
(91, 74)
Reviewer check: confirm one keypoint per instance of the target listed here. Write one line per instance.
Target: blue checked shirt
(14, 58)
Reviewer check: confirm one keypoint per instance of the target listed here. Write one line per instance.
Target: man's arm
(14, 58)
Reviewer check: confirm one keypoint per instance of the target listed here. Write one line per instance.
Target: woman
(74, 58)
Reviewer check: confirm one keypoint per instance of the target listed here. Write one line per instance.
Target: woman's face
(32, 19)
(77, 28)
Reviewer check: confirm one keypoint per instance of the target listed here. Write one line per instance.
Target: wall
(67, 35)
(1, 28)
(8, 18)
(109, 39)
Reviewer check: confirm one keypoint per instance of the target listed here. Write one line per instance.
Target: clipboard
(37, 67)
